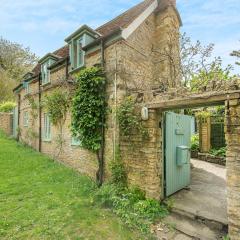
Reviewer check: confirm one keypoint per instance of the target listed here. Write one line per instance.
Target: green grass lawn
(41, 199)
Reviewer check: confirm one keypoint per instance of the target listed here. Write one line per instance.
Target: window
(75, 141)
(76, 52)
(45, 73)
(80, 52)
(25, 119)
(27, 88)
(46, 128)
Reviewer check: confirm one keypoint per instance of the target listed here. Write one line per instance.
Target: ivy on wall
(129, 121)
(88, 113)
(57, 104)
(89, 108)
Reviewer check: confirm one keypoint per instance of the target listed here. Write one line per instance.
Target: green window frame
(46, 127)
(45, 72)
(25, 119)
(77, 55)
(27, 88)
(80, 52)
(75, 141)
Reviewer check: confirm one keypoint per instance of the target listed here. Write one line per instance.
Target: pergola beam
(196, 101)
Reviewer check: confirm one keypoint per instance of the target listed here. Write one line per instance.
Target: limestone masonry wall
(6, 123)
(233, 167)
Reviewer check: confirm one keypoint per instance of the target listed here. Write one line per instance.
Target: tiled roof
(61, 53)
(121, 21)
(125, 18)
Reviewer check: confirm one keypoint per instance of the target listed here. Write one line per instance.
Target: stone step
(207, 219)
(195, 227)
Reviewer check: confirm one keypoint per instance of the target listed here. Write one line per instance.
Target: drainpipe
(19, 112)
(66, 72)
(40, 112)
(101, 153)
(115, 103)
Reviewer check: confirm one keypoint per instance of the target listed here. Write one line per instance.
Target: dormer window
(45, 72)
(76, 53)
(27, 88)
(46, 62)
(76, 41)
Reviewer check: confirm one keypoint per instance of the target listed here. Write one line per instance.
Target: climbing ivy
(129, 121)
(57, 105)
(34, 107)
(89, 108)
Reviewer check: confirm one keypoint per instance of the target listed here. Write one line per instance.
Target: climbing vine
(88, 112)
(34, 107)
(57, 105)
(129, 121)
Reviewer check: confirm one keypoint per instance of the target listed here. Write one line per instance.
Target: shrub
(131, 206)
(221, 152)
(195, 142)
(7, 106)
(129, 121)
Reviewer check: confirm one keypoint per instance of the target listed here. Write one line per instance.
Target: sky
(43, 25)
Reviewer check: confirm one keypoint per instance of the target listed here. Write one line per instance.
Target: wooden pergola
(196, 100)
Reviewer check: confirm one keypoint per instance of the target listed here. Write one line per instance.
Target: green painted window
(45, 72)
(46, 128)
(25, 119)
(76, 53)
(27, 88)
(75, 141)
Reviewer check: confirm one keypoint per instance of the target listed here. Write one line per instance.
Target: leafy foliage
(131, 205)
(34, 106)
(236, 54)
(195, 143)
(203, 115)
(197, 66)
(15, 61)
(7, 106)
(221, 152)
(57, 105)
(129, 122)
(119, 175)
(89, 107)
(213, 72)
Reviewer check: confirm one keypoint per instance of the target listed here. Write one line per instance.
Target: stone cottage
(139, 51)
(128, 48)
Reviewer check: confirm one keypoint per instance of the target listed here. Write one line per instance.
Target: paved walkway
(207, 195)
(206, 198)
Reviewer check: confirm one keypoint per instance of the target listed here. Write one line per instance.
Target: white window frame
(25, 119)
(46, 127)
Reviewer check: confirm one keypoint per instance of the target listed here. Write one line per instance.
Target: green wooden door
(177, 152)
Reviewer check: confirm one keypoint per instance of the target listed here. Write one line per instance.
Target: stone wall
(233, 167)
(143, 157)
(29, 134)
(132, 67)
(6, 123)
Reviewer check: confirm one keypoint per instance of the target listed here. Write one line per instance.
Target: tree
(236, 54)
(15, 61)
(196, 67)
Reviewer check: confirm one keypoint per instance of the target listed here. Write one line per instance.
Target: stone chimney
(165, 3)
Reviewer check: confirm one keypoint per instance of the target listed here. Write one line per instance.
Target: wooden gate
(177, 152)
